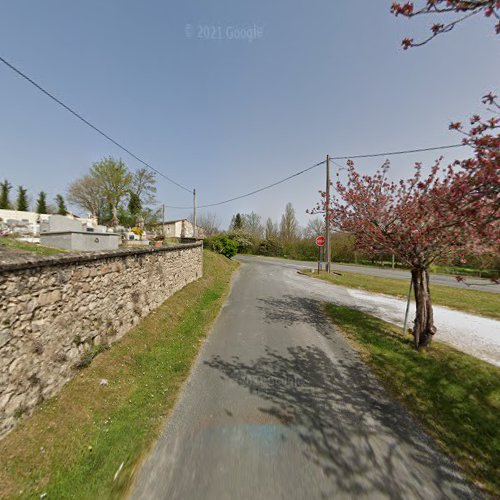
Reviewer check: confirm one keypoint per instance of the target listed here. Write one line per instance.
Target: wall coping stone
(30, 261)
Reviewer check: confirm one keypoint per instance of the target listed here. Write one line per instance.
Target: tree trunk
(424, 328)
(114, 219)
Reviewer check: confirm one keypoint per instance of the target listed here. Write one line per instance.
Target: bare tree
(289, 225)
(271, 229)
(87, 194)
(208, 222)
(314, 228)
(252, 225)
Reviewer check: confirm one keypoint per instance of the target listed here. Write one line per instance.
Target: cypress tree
(41, 203)
(22, 199)
(5, 188)
(61, 205)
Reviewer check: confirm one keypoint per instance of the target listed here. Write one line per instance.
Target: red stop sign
(320, 241)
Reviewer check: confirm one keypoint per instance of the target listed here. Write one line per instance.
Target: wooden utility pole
(163, 220)
(327, 215)
(195, 231)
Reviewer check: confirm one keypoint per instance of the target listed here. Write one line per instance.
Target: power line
(409, 151)
(373, 155)
(256, 190)
(265, 187)
(341, 167)
(89, 124)
(84, 120)
(392, 153)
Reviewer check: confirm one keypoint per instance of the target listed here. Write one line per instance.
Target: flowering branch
(463, 8)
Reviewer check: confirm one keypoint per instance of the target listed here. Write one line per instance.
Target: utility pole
(163, 220)
(195, 231)
(327, 215)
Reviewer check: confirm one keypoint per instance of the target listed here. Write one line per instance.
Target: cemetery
(71, 234)
(67, 232)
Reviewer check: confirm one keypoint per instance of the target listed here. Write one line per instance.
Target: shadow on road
(291, 309)
(361, 440)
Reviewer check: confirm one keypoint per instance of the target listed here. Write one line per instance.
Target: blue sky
(224, 115)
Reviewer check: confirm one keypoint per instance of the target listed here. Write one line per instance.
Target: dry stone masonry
(55, 312)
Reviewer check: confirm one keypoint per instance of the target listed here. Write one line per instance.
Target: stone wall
(56, 311)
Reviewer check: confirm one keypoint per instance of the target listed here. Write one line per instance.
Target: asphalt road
(279, 406)
(386, 272)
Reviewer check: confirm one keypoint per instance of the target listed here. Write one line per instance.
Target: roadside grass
(455, 396)
(14, 244)
(74, 444)
(471, 301)
(466, 271)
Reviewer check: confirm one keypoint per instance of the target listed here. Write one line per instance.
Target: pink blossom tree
(448, 212)
(455, 11)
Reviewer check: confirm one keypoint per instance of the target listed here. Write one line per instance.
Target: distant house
(181, 228)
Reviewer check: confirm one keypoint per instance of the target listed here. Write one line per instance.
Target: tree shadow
(291, 309)
(363, 442)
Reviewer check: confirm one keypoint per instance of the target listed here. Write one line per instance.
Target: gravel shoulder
(474, 335)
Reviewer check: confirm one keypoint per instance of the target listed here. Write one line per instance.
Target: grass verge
(74, 444)
(454, 395)
(14, 244)
(471, 301)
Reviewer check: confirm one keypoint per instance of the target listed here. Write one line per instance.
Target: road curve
(279, 406)
(474, 335)
(471, 283)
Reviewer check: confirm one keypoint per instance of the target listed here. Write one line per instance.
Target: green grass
(74, 443)
(472, 301)
(454, 395)
(14, 244)
(466, 271)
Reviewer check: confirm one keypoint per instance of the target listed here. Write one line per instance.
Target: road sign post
(320, 241)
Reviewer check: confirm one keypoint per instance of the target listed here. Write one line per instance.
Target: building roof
(174, 221)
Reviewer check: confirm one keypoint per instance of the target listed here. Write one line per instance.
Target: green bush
(271, 248)
(244, 241)
(223, 245)
(302, 250)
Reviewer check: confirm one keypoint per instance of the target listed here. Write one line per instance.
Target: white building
(182, 228)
